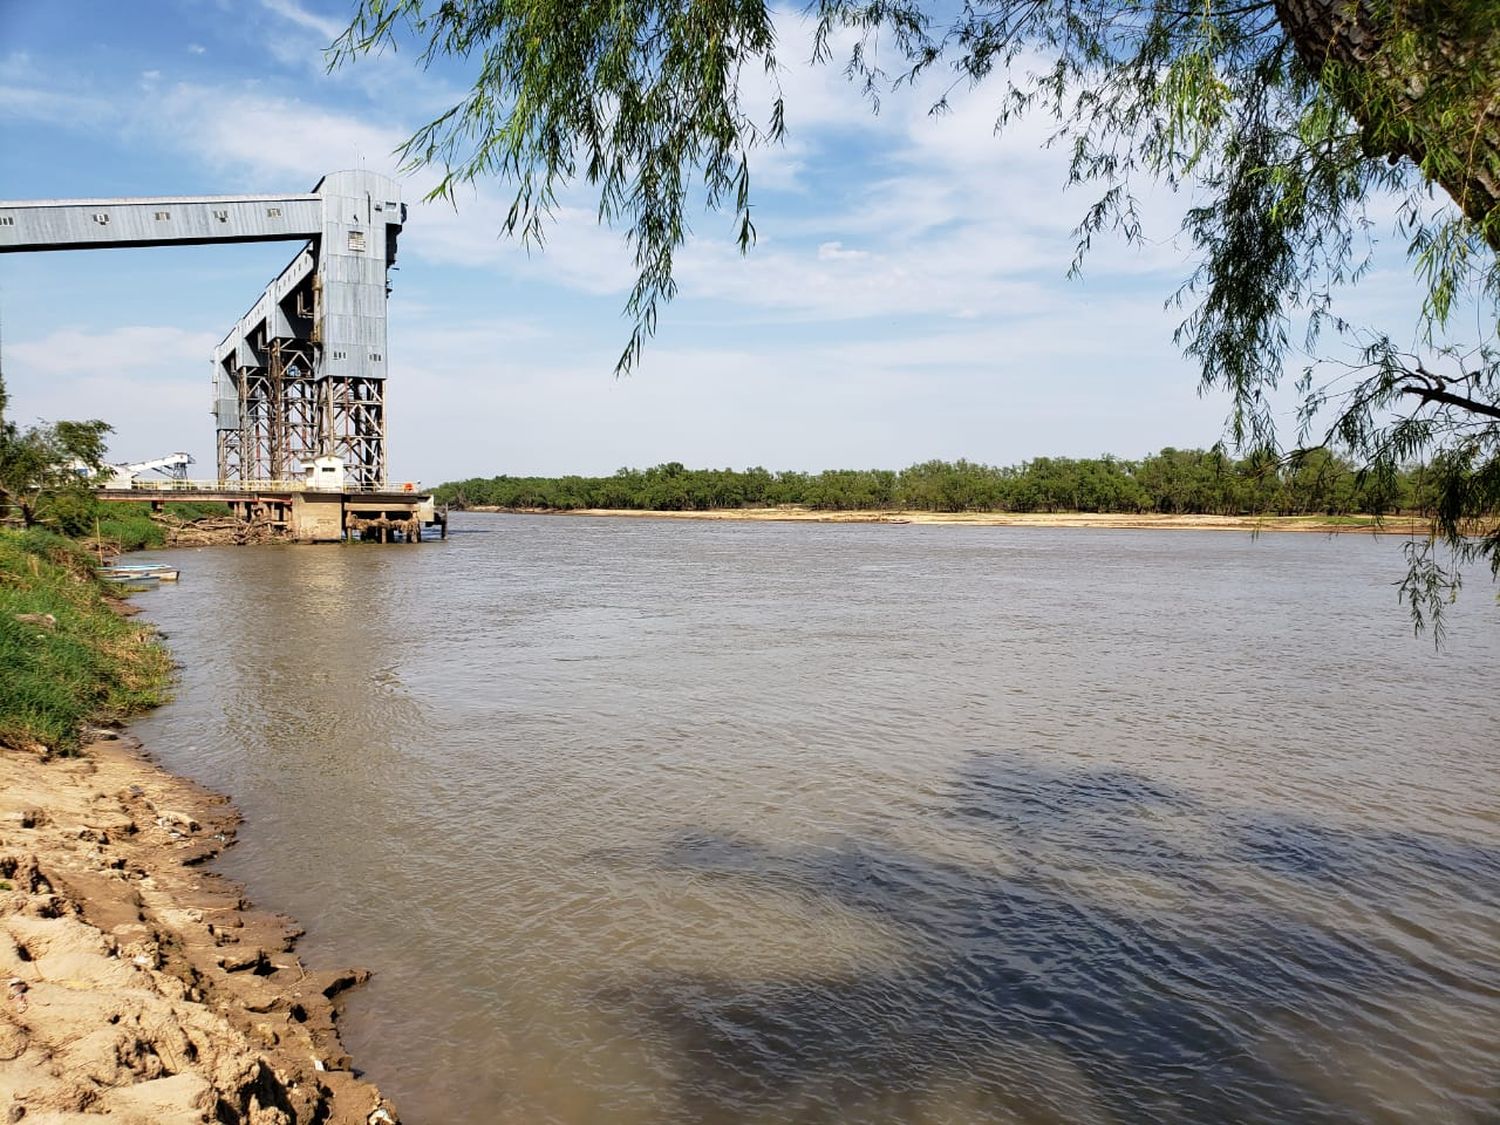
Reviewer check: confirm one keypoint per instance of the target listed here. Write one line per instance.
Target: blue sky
(906, 300)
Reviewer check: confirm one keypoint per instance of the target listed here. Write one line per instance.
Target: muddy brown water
(641, 821)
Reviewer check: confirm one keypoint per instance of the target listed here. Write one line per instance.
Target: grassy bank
(88, 663)
(125, 527)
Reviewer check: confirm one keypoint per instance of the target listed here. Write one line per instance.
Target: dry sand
(135, 984)
(1404, 525)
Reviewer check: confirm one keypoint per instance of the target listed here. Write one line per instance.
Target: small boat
(151, 572)
(130, 579)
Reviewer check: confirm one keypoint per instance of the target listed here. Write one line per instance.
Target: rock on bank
(136, 985)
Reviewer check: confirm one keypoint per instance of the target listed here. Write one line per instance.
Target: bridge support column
(317, 517)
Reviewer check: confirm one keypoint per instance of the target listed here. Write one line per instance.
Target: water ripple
(653, 822)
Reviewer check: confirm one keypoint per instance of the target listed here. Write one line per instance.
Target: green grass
(196, 509)
(132, 531)
(95, 666)
(128, 527)
(131, 525)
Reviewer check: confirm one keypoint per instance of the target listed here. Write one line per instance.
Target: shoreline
(135, 983)
(1393, 525)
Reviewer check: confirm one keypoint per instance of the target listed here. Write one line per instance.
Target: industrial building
(299, 380)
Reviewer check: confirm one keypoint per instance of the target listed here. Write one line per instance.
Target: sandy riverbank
(135, 984)
(1144, 522)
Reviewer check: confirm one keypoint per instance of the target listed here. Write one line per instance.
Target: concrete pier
(307, 515)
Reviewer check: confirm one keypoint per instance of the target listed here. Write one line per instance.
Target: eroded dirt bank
(136, 984)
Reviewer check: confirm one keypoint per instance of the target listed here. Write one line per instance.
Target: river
(648, 821)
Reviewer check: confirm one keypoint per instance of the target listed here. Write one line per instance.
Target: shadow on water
(1137, 957)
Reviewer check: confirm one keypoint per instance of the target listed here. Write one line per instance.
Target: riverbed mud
(138, 985)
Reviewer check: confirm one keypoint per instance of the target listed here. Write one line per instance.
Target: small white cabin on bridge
(325, 474)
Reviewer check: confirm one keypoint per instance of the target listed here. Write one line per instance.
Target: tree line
(1172, 481)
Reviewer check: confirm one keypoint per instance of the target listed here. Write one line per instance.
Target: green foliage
(131, 531)
(71, 512)
(76, 513)
(1174, 481)
(94, 665)
(1295, 123)
(195, 509)
(41, 460)
(636, 98)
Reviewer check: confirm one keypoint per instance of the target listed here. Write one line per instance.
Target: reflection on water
(643, 822)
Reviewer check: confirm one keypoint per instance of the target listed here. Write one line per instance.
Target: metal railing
(173, 485)
(298, 485)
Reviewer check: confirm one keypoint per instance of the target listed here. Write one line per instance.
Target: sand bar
(1390, 525)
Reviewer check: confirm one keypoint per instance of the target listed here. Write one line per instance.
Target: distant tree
(45, 459)
(1320, 483)
(1172, 481)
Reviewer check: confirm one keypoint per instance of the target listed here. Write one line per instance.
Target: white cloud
(964, 226)
(54, 107)
(273, 139)
(32, 91)
(293, 12)
(835, 252)
(302, 43)
(228, 130)
(196, 49)
(1075, 385)
(151, 382)
(74, 352)
(577, 253)
(818, 98)
(807, 285)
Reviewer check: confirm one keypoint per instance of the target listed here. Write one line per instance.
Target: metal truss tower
(302, 374)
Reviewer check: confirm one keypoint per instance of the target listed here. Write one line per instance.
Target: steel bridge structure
(302, 374)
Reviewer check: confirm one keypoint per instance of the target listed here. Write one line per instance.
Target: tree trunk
(1422, 78)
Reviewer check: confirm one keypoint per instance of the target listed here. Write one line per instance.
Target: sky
(907, 298)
